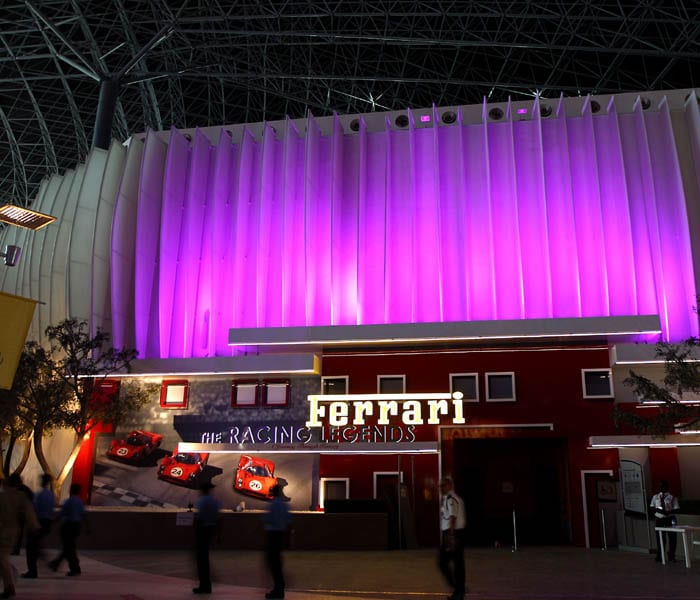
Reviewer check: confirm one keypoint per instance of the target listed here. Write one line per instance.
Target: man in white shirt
(664, 505)
(452, 523)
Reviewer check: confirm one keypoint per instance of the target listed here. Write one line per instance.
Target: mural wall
(138, 465)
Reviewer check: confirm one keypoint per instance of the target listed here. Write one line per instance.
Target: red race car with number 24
(255, 476)
(183, 467)
(135, 447)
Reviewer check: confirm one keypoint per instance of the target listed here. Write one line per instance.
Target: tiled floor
(529, 574)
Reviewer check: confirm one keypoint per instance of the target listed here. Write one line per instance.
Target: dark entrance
(499, 476)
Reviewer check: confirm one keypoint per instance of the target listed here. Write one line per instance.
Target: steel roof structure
(199, 63)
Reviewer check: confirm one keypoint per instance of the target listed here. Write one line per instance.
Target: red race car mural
(255, 476)
(183, 467)
(135, 447)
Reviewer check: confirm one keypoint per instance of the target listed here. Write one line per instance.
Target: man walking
(276, 522)
(452, 524)
(205, 527)
(44, 502)
(72, 514)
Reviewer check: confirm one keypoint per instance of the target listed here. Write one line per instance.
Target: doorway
(387, 485)
(599, 490)
(514, 487)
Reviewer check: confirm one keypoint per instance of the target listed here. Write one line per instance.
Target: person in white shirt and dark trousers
(664, 506)
(452, 530)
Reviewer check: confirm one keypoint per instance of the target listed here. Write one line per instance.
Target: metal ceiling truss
(187, 63)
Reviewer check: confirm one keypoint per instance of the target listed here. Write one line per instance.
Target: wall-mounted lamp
(11, 255)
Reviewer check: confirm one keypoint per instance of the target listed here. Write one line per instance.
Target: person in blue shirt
(205, 527)
(277, 521)
(72, 515)
(44, 503)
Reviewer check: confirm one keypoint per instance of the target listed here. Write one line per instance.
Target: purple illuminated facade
(564, 217)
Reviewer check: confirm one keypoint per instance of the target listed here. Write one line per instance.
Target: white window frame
(476, 379)
(487, 376)
(247, 385)
(174, 393)
(322, 489)
(374, 480)
(380, 377)
(345, 377)
(594, 396)
(270, 393)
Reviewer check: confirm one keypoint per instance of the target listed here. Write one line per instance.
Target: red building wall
(549, 390)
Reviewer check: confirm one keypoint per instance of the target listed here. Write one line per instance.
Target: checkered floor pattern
(129, 498)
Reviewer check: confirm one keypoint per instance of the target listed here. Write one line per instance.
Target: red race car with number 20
(135, 447)
(183, 467)
(255, 476)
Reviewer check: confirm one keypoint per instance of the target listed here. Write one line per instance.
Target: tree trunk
(8, 454)
(39, 450)
(68, 465)
(25, 454)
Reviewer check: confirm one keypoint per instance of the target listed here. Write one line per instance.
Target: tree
(55, 386)
(14, 429)
(682, 378)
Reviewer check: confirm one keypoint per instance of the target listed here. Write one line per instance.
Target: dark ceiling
(197, 63)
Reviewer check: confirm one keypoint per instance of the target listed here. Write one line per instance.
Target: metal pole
(398, 499)
(107, 103)
(515, 535)
(602, 529)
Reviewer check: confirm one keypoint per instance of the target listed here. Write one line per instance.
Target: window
(334, 385)
(333, 488)
(597, 383)
(104, 392)
(276, 393)
(500, 387)
(173, 393)
(391, 384)
(244, 393)
(467, 383)
(387, 484)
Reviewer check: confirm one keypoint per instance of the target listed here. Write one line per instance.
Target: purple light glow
(425, 118)
(564, 217)
(522, 111)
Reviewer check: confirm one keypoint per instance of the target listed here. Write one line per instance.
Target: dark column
(109, 92)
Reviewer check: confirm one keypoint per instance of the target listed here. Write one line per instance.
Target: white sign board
(633, 494)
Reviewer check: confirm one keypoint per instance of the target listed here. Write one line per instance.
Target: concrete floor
(492, 574)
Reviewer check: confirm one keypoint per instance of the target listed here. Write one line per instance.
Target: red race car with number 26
(255, 476)
(183, 467)
(135, 447)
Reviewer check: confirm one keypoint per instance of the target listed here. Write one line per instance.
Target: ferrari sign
(408, 409)
(17, 315)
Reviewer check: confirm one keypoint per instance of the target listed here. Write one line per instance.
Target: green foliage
(76, 360)
(682, 377)
(53, 388)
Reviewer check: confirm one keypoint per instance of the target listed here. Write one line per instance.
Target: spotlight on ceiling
(449, 117)
(401, 121)
(11, 255)
(496, 114)
(24, 217)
